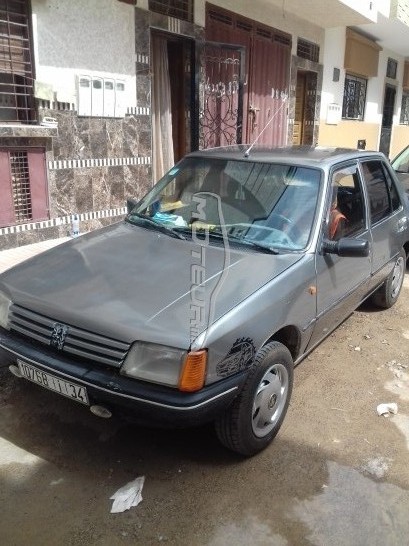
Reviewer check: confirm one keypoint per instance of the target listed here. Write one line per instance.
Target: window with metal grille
(391, 68)
(20, 182)
(353, 106)
(308, 50)
(16, 71)
(180, 9)
(23, 186)
(404, 112)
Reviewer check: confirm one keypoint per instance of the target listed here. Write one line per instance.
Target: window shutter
(38, 184)
(6, 200)
(361, 55)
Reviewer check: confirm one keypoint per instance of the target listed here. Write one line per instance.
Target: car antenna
(247, 152)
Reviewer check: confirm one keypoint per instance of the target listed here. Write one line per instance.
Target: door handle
(401, 224)
(253, 111)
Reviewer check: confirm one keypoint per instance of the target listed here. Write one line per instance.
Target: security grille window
(391, 69)
(353, 106)
(308, 50)
(180, 9)
(20, 186)
(404, 113)
(16, 71)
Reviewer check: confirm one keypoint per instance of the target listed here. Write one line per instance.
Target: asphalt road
(337, 473)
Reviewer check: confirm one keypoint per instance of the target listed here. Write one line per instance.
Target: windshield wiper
(157, 225)
(235, 238)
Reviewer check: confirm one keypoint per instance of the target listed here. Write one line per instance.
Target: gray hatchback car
(223, 277)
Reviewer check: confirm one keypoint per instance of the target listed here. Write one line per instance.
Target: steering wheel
(280, 222)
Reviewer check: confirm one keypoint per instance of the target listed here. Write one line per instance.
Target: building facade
(100, 98)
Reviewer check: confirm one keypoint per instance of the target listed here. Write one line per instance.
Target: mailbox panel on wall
(120, 99)
(84, 96)
(109, 98)
(97, 97)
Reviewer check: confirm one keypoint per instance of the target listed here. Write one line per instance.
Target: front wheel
(388, 293)
(256, 415)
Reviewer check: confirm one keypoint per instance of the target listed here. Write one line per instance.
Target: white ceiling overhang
(390, 34)
(328, 13)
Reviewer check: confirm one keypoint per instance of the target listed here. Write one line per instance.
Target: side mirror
(346, 248)
(130, 204)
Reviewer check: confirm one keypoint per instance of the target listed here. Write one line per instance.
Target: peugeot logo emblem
(58, 335)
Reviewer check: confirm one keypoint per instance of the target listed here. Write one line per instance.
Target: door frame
(386, 127)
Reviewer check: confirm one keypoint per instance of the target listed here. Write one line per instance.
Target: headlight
(154, 363)
(5, 303)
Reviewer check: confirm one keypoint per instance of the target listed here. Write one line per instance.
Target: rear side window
(383, 197)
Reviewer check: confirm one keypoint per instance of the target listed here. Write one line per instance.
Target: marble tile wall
(81, 190)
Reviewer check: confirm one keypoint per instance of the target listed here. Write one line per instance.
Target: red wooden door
(268, 93)
(267, 70)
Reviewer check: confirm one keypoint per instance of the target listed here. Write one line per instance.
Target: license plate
(53, 383)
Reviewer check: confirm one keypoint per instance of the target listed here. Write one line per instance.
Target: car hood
(128, 282)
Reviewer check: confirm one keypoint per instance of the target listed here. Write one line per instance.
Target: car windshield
(267, 205)
(401, 163)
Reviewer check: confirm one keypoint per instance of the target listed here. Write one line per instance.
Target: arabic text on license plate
(66, 388)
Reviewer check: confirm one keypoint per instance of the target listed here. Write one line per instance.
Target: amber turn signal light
(193, 373)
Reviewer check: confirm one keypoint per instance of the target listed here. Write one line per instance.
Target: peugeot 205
(199, 304)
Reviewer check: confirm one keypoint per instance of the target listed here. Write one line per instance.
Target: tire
(388, 294)
(256, 415)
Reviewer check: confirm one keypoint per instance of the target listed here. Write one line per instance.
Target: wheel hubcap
(397, 278)
(270, 399)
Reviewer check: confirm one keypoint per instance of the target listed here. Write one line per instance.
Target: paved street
(337, 473)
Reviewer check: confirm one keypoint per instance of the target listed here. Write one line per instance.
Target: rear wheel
(387, 294)
(256, 415)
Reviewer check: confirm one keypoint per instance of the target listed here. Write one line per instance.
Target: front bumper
(148, 404)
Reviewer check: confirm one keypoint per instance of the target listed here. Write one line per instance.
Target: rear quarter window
(382, 193)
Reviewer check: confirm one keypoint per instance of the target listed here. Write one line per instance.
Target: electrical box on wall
(101, 97)
(120, 101)
(84, 96)
(109, 98)
(97, 100)
(333, 114)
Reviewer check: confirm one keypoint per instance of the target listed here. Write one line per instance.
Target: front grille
(80, 343)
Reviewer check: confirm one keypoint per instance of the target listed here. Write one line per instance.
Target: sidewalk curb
(13, 256)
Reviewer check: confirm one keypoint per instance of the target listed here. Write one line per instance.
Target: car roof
(313, 156)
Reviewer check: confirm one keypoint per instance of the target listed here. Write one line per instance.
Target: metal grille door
(220, 120)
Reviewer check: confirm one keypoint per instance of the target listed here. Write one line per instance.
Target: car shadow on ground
(195, 492)
(80, 460)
